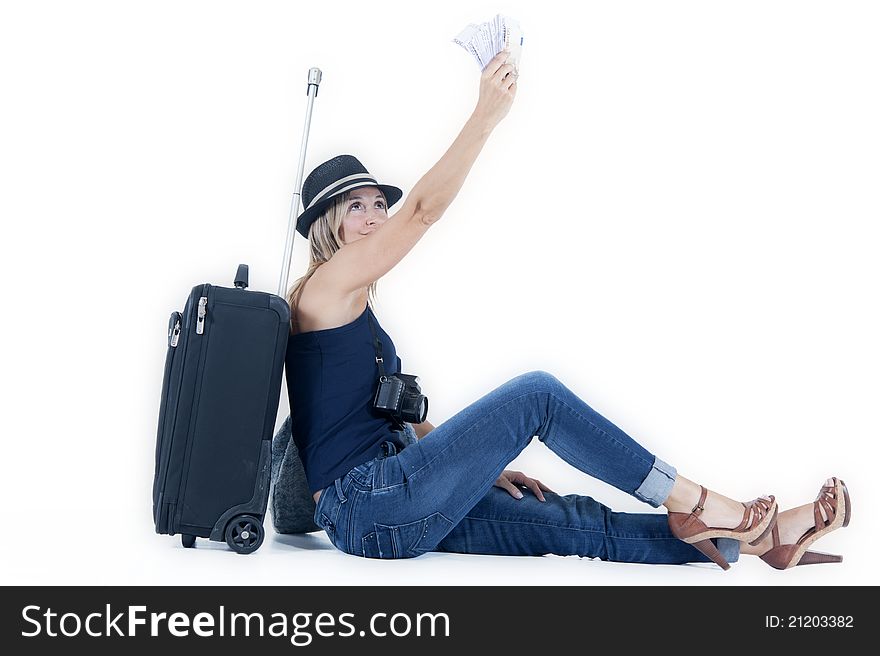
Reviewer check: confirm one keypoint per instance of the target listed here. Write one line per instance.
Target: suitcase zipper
(200, 319)
(174, 333)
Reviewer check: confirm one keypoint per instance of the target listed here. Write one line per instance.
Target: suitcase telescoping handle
(311, 92)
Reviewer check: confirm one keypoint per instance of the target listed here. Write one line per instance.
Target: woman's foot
(797, 528)
(710, 515)
(792, 524)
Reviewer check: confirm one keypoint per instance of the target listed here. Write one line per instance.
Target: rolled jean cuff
(657, 485)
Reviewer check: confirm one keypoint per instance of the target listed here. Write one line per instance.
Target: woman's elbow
(430, 218)
(428, 214)
(430, 210)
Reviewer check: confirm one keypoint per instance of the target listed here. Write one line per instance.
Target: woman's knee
(541, 381)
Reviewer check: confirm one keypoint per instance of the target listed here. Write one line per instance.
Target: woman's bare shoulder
(319, 308)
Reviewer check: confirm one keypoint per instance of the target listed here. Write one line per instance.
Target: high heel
(817, 558)
(708, 549)
(759, 517)
(783, 556)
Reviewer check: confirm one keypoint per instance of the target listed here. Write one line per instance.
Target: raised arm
(436, 190)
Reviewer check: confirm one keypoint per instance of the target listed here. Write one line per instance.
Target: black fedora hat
(334, 177)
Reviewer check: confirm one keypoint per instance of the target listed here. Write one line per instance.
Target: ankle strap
(699, 507)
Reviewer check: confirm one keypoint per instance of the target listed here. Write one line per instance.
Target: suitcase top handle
(241, 276)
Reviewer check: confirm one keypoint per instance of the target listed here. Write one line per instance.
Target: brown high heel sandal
(759, 517)
(783, 556)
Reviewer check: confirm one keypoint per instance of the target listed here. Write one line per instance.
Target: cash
(486, 40)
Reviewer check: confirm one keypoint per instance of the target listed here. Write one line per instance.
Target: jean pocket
(388, 474)
(364, 474)
(406, 540)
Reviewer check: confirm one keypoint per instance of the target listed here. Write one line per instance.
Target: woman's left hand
(510, 480)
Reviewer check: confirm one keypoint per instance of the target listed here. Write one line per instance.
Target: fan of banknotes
(486, 40)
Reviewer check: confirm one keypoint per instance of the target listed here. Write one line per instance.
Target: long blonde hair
(325, 238)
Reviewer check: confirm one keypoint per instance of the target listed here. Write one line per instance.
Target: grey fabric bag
(293, 508)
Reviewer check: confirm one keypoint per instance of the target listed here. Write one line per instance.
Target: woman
(449, 490)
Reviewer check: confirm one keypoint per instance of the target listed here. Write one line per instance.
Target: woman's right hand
(497, 90)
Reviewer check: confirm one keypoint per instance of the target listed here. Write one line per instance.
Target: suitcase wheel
(189, 541)
(244, 534)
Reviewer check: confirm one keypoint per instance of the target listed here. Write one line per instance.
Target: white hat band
(342, 185)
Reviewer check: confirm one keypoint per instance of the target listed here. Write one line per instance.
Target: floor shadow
(310, 541)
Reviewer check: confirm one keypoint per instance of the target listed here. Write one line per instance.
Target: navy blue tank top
(331, 380)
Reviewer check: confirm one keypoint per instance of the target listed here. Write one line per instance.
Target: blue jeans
(438, 493)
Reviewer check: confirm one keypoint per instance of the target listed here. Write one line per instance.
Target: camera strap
(376, 344)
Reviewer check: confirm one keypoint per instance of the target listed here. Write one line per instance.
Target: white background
(677, 219)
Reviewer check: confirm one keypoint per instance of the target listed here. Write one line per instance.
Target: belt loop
(338, 484)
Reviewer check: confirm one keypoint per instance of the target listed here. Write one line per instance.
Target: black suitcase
(220, 395)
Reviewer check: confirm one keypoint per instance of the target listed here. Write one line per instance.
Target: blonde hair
(325, 238)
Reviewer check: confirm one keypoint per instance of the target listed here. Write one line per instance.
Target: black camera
(400, 396)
